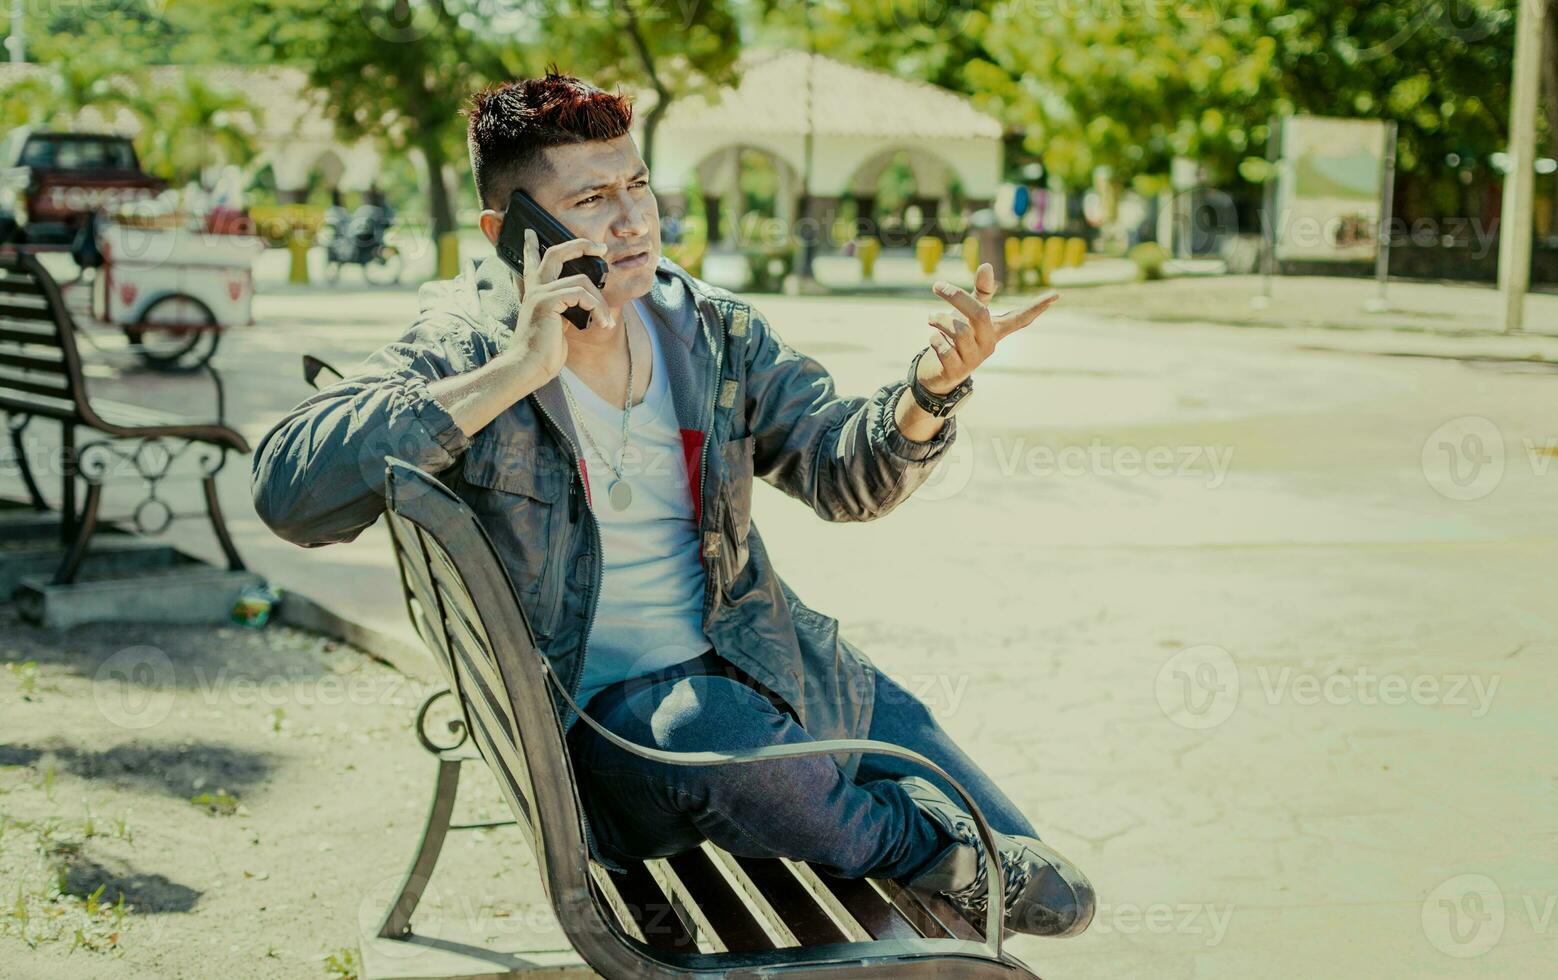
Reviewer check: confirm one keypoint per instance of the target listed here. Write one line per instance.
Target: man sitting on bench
(647, 589)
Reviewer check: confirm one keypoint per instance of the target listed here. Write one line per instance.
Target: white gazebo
(860, 119)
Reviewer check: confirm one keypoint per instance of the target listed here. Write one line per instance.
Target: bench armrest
(216, 383)
(995, 877)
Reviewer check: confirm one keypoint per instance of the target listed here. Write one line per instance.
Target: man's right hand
(540, 329)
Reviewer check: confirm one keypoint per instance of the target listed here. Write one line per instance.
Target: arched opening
(739, 186)
(901, 193)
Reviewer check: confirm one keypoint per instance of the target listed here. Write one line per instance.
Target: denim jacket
(748, 405)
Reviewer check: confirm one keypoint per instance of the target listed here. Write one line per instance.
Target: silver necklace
(617, 491)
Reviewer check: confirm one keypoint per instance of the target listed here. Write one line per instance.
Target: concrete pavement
(1256, 624)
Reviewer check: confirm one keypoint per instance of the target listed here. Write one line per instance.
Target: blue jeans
(805, 809)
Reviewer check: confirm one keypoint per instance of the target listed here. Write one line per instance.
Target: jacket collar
(489, 296)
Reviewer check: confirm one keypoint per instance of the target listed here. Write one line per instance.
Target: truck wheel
(175, 333)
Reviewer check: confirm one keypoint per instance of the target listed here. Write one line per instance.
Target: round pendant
(620, 494)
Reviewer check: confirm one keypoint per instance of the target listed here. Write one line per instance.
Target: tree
(91, 74)
(1131, 86)
(400, 71)
(192, 125)
(674, 49)
(386, 69)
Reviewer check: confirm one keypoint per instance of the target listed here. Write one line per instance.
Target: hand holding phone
(525, 215)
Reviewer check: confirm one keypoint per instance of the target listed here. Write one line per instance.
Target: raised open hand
(963, 340)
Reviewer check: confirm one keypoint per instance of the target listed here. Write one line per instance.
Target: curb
(302, 612)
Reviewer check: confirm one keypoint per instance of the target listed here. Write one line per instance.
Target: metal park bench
(41, 377)
(702, 913)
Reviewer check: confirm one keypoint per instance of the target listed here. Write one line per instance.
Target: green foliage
(1132, 85)
(219, 804)
(342, 964)
(192, 126)
(1149, 258)
(400, 73)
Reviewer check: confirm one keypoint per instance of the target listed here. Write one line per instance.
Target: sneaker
(1046, 895)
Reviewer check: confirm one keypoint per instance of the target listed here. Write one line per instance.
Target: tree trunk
(440, 206)
(646, 61)
(651, 123)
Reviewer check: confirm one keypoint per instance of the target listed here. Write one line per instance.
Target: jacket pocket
(517, 491)
(735, 496)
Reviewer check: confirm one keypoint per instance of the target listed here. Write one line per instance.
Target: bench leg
(84, 529)
(17, 424)
(397, 921)
(68, 531)
(219, 525)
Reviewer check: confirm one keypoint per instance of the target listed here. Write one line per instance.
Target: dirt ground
(251, 794)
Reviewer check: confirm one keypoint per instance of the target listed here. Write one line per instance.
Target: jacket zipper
(710, 568)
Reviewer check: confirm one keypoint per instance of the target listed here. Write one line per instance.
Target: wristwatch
(939, 406)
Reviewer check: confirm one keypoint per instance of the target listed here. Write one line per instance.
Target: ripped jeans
(805, 809)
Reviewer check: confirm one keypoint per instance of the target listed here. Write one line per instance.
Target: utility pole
(1514, 254)
(809, 241)
(16, 43)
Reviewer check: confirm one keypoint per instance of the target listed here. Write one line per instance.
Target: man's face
(600, 190)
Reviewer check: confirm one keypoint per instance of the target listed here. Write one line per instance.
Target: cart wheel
(385, 268)
(175, 333)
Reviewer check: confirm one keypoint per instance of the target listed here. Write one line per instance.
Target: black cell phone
(524, 212)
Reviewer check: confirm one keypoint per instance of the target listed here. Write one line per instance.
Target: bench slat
(802, 914)
(874, 913)
(39, 338)
(654, 915)
(479, 655)
(40, 313)
(22, 285)
(49, 407)
(934, 917)
(30, 358)
(704, 887)
(53, 385)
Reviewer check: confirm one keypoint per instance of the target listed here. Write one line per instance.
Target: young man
(613, 467)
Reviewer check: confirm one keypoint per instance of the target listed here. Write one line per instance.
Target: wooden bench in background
(41, 377)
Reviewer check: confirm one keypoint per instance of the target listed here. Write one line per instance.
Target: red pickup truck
(50, 182)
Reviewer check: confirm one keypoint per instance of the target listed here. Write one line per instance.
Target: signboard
(1329, 189)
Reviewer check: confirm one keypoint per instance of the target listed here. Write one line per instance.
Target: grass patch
(219, 804)
(42, 907)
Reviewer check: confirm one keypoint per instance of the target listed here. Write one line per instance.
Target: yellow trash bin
(929, 250)
(298, 244)
(971, 254)
(448, 255)
(1014, 261)
(1033, 260)
(1076, 252)
(867, 249)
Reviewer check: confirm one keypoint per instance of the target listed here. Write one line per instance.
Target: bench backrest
(40, 368)
(469, 616)
(700, 913)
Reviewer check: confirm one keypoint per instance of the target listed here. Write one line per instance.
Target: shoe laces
(974, 896)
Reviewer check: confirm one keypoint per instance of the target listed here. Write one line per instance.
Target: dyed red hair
(512, 123)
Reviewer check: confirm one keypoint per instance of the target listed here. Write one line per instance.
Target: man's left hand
(963, 340)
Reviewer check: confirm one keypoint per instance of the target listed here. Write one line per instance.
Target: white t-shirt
(650, 612)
